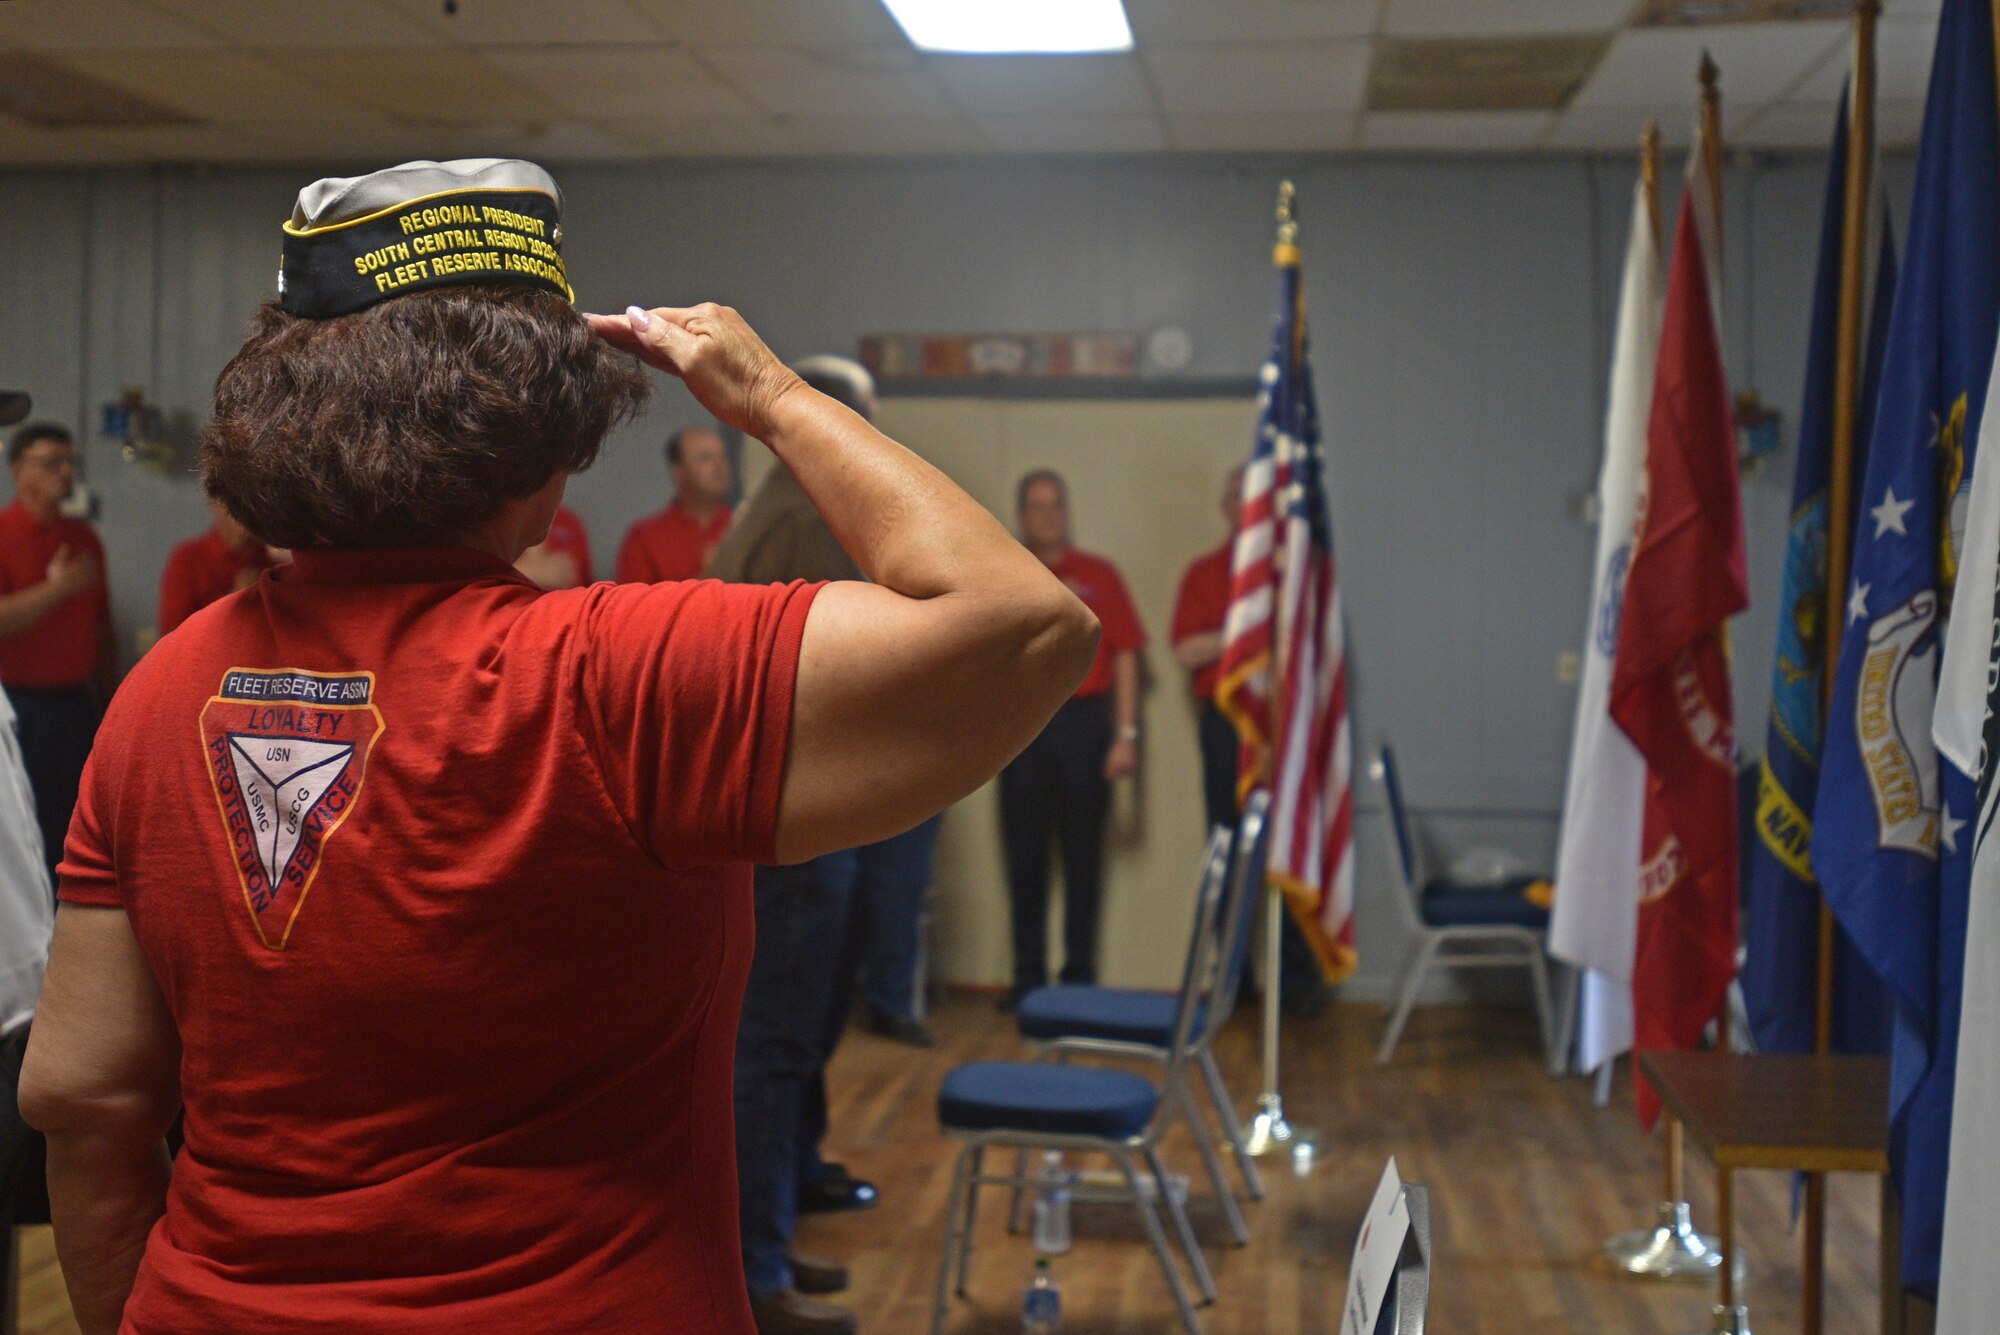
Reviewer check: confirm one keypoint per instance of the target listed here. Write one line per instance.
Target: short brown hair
(412, 421)
(25, 438)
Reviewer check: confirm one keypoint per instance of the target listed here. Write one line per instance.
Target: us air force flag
(1892, 828)
(1596, 914)
(1968, 732)
(1781, 901)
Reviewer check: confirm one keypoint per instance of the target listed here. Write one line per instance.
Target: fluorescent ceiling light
(1014, 27)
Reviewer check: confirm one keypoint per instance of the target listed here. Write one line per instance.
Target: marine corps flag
(1670, 680)
(1892, 829)
(1781, 902)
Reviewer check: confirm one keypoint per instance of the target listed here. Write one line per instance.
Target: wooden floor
(1526, 1179)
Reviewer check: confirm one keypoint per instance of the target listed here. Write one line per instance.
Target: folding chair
(1089, 1110)
(1457, 926)
(1128, 1022)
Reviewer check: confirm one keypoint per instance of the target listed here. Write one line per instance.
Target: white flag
(1596, 918)
(1968, 1281)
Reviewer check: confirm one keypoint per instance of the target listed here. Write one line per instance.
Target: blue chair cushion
(1059, 1100)
(1449, 904)
(1118, 1014)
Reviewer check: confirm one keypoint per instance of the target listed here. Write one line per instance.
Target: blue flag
(1780, 899)
(1891, 844)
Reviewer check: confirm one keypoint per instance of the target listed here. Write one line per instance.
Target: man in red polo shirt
(1199, 611)
(675, 543)
(55, 624)
(203, 569)
(1058, 791)
(561, 560)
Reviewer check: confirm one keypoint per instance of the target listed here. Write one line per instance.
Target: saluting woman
(426, 893)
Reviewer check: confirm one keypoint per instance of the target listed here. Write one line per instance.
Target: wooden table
(1806, 1114)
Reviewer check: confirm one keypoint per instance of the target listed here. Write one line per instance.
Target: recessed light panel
(1014, 27)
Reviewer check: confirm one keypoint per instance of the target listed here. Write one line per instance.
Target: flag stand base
(1670, 1249)
(1271, 1136)
(1731, 1321)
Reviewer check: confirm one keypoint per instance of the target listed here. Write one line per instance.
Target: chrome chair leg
(1538, 980)
(1569, 999)
(1204, 1143)
(971, 1214)
(941, 1306)
(1413, 980)
(1232, 1126)
(1017, 1203)
(1177, 1211)
(1149, 1216)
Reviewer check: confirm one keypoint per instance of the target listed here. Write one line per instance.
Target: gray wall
(1462, 313)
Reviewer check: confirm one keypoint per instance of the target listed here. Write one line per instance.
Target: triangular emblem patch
(286, 752)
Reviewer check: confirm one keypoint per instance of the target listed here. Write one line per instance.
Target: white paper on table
(1376, 1252)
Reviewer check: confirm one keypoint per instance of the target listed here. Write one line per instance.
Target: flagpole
(1649, 175)
(1270, 1134)
(1839, 550)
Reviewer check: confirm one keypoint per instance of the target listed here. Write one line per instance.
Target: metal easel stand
(1271, 1135)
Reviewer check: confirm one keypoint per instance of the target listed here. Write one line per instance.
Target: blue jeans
(802, 916)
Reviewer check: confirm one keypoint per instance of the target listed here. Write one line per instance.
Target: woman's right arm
(913, 690)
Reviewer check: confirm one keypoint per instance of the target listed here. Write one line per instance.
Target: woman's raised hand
(714, 351)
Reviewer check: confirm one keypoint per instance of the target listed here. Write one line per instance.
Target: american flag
(1284, 607)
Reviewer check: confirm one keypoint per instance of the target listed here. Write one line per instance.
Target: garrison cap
(355, 240)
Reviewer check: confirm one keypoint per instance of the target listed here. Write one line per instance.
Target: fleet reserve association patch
(286, 751)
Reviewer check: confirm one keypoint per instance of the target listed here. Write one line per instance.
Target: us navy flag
(1892, 826)
(1781, 900)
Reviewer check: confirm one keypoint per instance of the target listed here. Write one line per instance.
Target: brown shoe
(813, 1274)
(789, 1312)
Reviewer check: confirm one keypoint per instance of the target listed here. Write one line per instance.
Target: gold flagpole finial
(1288, 225)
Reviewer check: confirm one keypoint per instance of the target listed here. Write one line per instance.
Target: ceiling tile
(200, 143)
(1759, 62)
(709, 136)
(1480, 73)
(1167, 21)
(620, 81)
(225, 87)
(1465, 18)
(859, 81)
(1271, 133)
(529, 22)
(1454, 131)
(1029, 85)
(1224, 80)
(1074, 134)
(81, 25)
(432, 87)
(771, 22)
(1904, 48)
(298, 22)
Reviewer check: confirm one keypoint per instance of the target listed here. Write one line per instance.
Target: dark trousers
(889, 896)
(57, 726)
(1055, 793)
(781, 1048)
(1299, 974)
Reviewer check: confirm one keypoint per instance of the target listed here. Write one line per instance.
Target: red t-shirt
(201, 570)
(1097, 582)
(446, 883)
(567, 535)
(62, 648)
(1201, 606)
(673, 544)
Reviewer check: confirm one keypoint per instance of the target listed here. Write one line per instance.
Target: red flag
(1670, 682)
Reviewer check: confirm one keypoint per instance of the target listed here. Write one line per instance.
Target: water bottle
(1052, 1235)
(1041, 1310)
